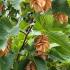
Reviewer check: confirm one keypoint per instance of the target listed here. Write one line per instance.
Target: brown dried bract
(2, 7)
(40, 5)
(61, 17)
(30, 66)
(7, 49)
(41, 44)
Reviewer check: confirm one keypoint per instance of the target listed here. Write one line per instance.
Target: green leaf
(38, 26)
(5, 29)
(23, 25)
(40, 64)
(21, 65)
(47, 20)
(44, 21)
(17, 42)
(68, 1)
(15, 30)
(61, 6)
(59, 38)
(59, 53)
(6, 63)
(62, 52)
(16, 4)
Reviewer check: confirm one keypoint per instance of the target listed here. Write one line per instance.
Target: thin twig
(26, 37)
(29, 29)
(22, 32)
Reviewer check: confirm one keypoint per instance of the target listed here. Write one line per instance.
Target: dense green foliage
(20, 22)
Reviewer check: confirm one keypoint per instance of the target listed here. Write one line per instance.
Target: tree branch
(22, 47)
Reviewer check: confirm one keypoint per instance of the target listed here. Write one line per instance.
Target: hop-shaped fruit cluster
(40, 5)
(41, 44)
(30, 66)
(61, 17)
(7, 49)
